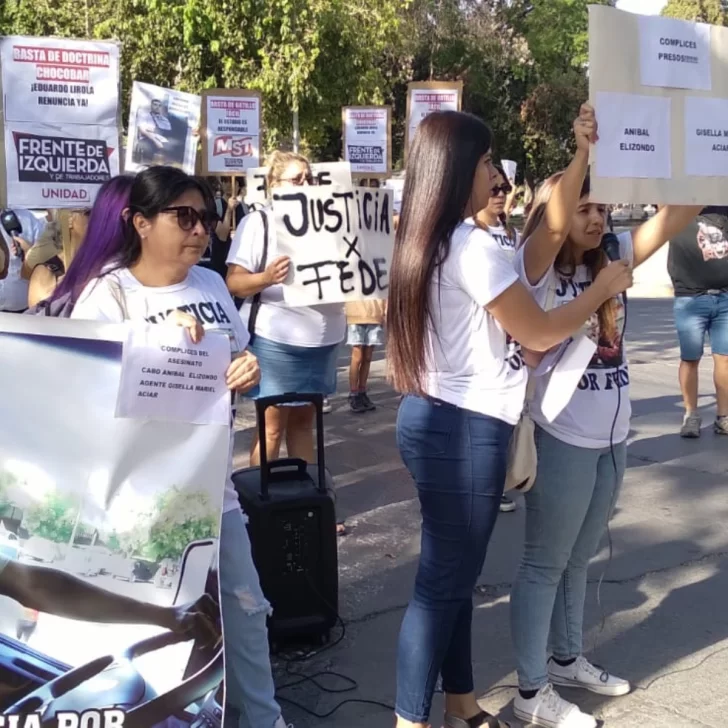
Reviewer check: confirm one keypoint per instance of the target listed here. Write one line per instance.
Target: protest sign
(424, 97)
(662, 108)
(324, 174)
(109, 529)
(510, 167)
(231, 120)
(367, 139)
(339, 241)
(163, 128)
(60, 123)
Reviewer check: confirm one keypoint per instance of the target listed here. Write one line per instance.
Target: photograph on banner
(66, 81)
(424, 97)
(324, 174)
(231, 121)
(58, 166)
(367, 143)
(660, 106)
(340, 243)
(108, 540)
(164, 128)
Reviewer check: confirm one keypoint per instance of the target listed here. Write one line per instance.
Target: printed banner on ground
(51, 165)
(108, 542)
(340, 243)
(367, 139)
(424, 97)
(163, 128)
(661, 107)
(52, 80)
(231, 121)
(324, 174)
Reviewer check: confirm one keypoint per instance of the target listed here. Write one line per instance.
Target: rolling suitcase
(292, 528)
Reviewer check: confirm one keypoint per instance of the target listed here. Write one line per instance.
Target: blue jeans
(250, 692)
(567, 511)
(696, 316)
(457, 459)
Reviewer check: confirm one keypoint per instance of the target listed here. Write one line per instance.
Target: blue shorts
(285, 368)
(696, 316)
(365, 335)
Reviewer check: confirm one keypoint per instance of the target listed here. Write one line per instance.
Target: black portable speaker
(292, 528)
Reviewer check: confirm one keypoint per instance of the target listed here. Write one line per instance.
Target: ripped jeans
(250, 693)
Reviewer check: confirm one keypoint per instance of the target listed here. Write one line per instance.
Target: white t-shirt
(467, 350)
(13, 289)
(309, 326)
(202, 294)
(587, 420)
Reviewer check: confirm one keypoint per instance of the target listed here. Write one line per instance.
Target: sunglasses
(188, 217)
(505, 189)
(300, 179)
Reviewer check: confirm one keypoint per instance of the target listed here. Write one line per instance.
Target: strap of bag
(255, 306)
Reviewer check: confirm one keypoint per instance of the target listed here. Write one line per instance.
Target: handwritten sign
(674, 53)
(166, 377)
(324, 174)
(634, 136)
(339, 241)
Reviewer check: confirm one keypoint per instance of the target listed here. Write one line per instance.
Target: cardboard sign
(661, 108)
(340, 243)
(231, 121)
(324, 173)
(163, 128)
(424, 97)
(367, 140)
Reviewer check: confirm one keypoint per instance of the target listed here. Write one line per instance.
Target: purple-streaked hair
(104, 239)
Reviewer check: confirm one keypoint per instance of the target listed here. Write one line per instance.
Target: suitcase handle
(283, 463)
(261, 405)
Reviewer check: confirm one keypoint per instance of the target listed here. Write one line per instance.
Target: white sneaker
(582, 674)
(548, 709)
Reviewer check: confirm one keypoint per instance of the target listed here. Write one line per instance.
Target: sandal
(482, 720)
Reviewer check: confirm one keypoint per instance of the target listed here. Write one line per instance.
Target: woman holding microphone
(453, 296)
(582, 452)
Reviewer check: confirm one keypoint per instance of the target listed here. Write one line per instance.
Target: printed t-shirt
(308, 326)
(467, 362)
(202, 294)
(587, 419)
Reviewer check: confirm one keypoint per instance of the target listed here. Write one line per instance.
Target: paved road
(663, 596)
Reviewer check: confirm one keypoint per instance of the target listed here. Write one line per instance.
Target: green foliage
(706, 11)
(53, 518)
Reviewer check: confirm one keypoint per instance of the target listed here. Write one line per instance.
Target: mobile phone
(10, 222)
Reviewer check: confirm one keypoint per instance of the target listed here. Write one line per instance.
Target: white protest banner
(340, 243)
(231, 121)
(397, 187)
(367, 139)
(424, 97)
(53, 80)
(108, 540)
(50, 165)
(324, 174)
(674, 53)
(661, 121)
(163, 128)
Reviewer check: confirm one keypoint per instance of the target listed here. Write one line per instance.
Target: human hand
(277, 271)
(186, 321)
(616, 278)
(243, 373)
(196, 620)
(585, 128)
(20, 246)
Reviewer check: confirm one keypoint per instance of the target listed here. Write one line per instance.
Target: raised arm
(649, 237)
(544, 243)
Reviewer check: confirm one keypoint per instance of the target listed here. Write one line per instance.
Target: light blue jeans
(567, 511)
(250, 693)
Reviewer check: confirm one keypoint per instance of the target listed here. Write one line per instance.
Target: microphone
(610, 246)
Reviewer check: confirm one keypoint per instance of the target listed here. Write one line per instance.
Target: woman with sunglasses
(146, 249)
(296, 346)
(51, 256)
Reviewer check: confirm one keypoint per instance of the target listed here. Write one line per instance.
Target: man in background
(15, 246)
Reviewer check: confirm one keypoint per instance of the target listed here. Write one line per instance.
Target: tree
(53, 518)
(704, 11)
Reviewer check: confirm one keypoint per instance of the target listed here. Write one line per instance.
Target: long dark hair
(441, 166)
(153, 190)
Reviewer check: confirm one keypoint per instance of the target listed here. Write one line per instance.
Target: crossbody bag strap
(255, 305)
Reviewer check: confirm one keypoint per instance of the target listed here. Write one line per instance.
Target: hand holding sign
(186, 321)
(585, 128)
(277, 271)
(616, 278)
